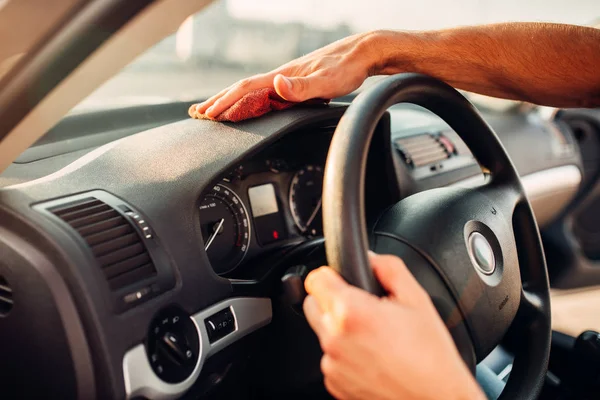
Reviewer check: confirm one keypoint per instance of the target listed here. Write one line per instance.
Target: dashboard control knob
(293, 285)
(176, 348)
(173, 345)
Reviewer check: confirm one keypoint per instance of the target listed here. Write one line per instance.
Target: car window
(232, 39)
(24, 24)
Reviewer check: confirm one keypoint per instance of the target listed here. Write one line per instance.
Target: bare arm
(549, 64)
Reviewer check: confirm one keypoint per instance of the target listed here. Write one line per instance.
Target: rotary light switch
(173, 345)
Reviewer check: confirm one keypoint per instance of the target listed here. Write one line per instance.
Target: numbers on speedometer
(305, 199)
(225, 228)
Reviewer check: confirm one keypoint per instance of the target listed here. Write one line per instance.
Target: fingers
(325, 285)
(332, 375)
(236, 92)
(342, 308)
(202, 107)
(332, 293)
(301, 88)
(226, 98)
(295, 89)
(314, 315)
(397, 280)
(192, 110)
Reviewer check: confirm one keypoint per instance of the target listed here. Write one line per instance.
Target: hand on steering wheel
(393, 347)
(477, 253)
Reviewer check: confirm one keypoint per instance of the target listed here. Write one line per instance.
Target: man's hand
(332, 71)
(395, 347)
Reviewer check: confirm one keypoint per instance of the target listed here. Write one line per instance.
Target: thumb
(296, 89)
(396, 279)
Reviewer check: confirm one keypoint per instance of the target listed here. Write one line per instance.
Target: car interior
(144, 254)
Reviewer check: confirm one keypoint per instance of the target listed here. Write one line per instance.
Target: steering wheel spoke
(532, 305)
(504, 196)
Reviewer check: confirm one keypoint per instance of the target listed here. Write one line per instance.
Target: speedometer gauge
(305, 199)
(225, 228)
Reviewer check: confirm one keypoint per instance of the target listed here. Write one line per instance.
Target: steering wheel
(477, 252)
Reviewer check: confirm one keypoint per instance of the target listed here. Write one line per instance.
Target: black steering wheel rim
(345, 227)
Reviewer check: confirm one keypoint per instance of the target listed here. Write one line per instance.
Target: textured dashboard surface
(527, 139)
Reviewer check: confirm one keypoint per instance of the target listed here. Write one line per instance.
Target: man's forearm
(549, 64)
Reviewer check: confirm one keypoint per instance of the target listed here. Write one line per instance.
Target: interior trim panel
(551, 190)
(249, 313)
(575, 310)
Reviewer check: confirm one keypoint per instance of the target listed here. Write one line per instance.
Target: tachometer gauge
(225, 228)
(305, 199)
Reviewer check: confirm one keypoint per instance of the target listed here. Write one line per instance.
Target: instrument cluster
(270, 201)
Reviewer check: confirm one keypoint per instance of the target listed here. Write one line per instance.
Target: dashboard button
(141, 223)
(137, 295)
(146, 231)
(220, 325)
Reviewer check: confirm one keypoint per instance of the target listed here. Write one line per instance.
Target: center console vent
(122, 248)
(432, 152)
(425, 149)
(117, 246)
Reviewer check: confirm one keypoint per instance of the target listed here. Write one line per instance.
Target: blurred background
(232, 39)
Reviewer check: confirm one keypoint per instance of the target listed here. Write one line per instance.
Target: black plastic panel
(122, 296)
(572, 242)
(33, 340)
(42, 356)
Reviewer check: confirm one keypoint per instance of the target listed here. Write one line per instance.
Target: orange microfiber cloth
(252, 105)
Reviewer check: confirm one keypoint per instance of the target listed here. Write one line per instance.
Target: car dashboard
(142, 258)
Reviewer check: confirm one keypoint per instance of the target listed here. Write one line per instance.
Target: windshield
(232, 39)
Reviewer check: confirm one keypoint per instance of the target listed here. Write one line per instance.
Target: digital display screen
(263, 200)
(269, 224)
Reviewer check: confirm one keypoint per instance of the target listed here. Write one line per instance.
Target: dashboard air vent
(425, 149)
(114, 242)
(6, 297)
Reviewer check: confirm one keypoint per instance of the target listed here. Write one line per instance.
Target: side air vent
(6, 297)
(114, 242)
(425, 149)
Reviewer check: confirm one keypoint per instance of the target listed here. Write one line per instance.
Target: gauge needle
(216, 230)
(314, 214)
